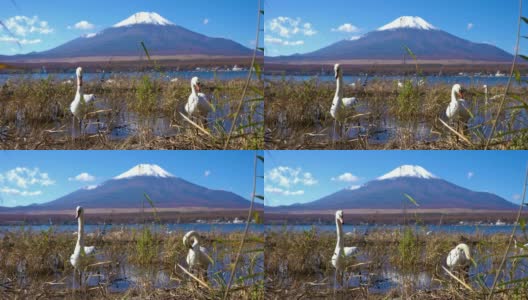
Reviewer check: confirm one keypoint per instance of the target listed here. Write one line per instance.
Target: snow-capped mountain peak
(408, 171)
(408, 22)
(145, 170)
(144, 18)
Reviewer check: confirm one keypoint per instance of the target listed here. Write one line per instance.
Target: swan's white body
(197, 105)
(79, 256)
(519, 248)
(341, 107)
(457, 108)
(459, 257)
(197, 257)
(341, 252)
(79, 105)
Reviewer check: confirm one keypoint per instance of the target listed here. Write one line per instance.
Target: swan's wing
(452, 109)
(349, 251)
(190, 106)
(203, 103)
(89, 250)
(348, 102)
(205, 259)
(89, 98)
(452, 258)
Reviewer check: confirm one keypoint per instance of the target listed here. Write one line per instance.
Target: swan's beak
(198, 86)
(341, 220)
(336, 75)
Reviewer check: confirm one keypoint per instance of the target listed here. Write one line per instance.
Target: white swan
(341, 107)
(79, 106)
(521, 247)
(80, 255)
(457, 108)
(459, 259)
(341, 252)
(197, 104)
(197, 257)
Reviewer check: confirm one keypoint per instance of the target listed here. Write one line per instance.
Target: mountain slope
(161, 37)
(127, 191)
(422, 38)
(387, 192)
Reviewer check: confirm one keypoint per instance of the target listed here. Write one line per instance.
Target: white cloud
(278, 41)
(286, 177)
(470, 175)
(470, 26)
(83, 25)
(287, 27)
(354, 187)
(346, 177)
(355, 37)
(83, 177)
(9, 39)
(516, 197)
(22, 25)
(206, 21)
(207, 173)
(24, 177)
(347, 27)
(284, 181)
(12, 191)
(283, 30)
(283, 192)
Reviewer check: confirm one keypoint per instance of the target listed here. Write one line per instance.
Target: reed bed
(391, 117)
(36, 115)
(36, 265)
(298, 265)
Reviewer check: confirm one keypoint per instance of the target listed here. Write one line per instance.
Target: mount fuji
(161, 37)
(127, 191)
(388, 42)
(387, 192)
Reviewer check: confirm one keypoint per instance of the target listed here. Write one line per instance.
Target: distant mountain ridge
(388, 192)
(389, 42)
(160, 36)
(127, 190)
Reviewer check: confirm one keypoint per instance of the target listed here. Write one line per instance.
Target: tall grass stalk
(494, 127)
(248, 80)
(248, 222)
(512, 236)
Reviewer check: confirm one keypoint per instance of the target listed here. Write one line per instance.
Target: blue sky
(490, 21)
(43, 176)
(309, 175)
(233, 19)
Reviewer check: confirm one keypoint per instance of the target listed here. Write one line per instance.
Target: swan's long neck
(79, 86)
(80, 232)
(453, 96)
(196, 243)
(339, 227)
(339, 85)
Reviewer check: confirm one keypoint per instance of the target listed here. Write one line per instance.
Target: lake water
(467, 81)
(91, 76)
(89, 228)
(362, 229)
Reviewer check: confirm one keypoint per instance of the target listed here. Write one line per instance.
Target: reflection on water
(468, 81)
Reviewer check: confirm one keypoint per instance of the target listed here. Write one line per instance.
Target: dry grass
(159, 251)
(35, 115)
(298, 265)
(297, 116)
